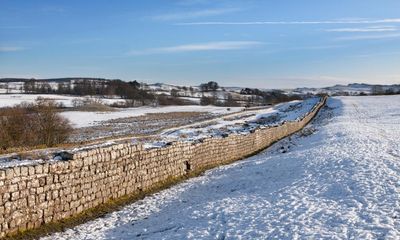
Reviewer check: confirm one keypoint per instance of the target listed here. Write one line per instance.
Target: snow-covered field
(9, 100)
(85, 119)
(340, 182)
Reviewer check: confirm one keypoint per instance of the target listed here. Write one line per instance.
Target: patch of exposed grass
(94, 107)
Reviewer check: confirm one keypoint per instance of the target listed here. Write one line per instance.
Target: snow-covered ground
(340, 182)
(242, 123)
(349, 89)
(85, 119)
(9, 100)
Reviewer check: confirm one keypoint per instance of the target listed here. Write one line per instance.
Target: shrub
(165, 100)
(204, 100)
(51, 128)
(29, 125)
(90, 105)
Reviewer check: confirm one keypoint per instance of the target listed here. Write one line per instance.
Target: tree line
(270, 97)
(125, 90)
(136, 96)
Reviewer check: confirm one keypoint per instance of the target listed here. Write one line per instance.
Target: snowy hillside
(9, 100)
(337, 179)
(102, 88)
(350, 89)
(194, 93)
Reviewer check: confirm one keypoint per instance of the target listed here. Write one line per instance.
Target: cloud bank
(194, 14)
(10, 49)
(197, 47)
(369, 37)
(366, 29)
(376, 21)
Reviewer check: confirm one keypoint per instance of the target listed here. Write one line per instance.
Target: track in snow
(341, 182)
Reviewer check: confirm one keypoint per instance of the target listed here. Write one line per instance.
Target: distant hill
(194, 93)
(51, 79)
(351, 89)
(209, 93)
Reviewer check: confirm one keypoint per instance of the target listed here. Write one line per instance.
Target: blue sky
(255, 43)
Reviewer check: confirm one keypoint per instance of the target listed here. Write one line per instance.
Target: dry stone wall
(31, 196)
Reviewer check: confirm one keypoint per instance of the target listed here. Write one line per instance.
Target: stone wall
(31, 196)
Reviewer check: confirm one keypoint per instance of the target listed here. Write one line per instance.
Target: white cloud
(376, 54)
(209, 46)
(369, 37)
(194, 14)
(355, 21)
(365, 29)
(304, 48)
(318, 47)
(10, 49)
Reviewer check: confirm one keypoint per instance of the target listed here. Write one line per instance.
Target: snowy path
(341, 182)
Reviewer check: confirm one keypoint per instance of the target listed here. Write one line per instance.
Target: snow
(291, 111)
(192, 99)
(11, 87)
(243, 123)
(194, 93)
(9, 100)
(350, 89)
(85, 119)
(337, 179)
(6, 162)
